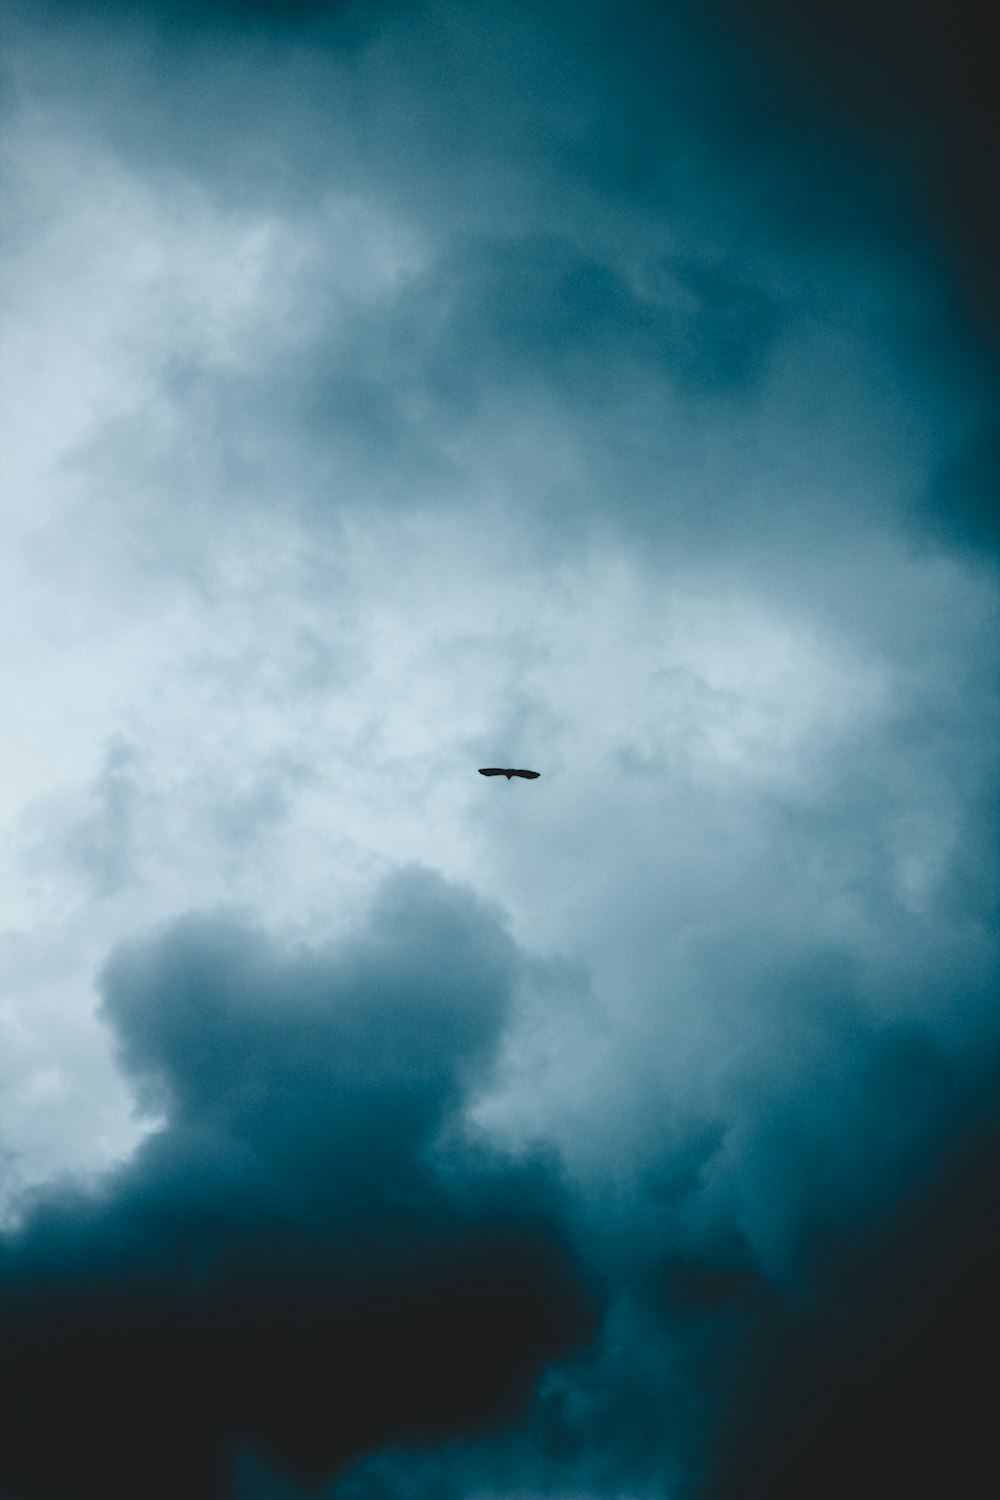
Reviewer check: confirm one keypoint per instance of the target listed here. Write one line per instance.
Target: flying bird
(499, 771)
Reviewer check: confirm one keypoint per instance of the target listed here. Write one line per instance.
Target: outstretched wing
(508, 771)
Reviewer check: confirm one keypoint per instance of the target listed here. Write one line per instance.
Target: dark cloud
(855, 1366)
(962, 504)
(866, 1374)
(282, 1267)
(800, 1270)
(525, 326)
(615, 212)
(631, 288)
(874, 1379)
(915, 81)
(912, 87)
(537, 314)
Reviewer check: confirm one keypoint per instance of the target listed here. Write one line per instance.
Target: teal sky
(394, 389)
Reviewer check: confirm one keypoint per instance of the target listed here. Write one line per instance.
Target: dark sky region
(394, 389)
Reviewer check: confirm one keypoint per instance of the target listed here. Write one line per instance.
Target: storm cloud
(283, 1265)
(395, 389)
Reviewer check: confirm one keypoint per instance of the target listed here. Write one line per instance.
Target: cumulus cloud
(283, 1266)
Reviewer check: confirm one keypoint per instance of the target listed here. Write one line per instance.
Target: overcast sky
(390, 389)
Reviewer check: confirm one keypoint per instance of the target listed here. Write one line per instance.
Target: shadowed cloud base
(282, 1265)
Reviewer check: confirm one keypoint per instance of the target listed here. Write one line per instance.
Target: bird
(499, 771)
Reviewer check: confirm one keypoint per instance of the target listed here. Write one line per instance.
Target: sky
(390, 389)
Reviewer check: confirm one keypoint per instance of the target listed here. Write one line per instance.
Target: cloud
(916, 83)
(398, 386)
(284, 1265)
(873, 1381)
(556, 323)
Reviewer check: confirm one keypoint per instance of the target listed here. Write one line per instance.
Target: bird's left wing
(529, 775)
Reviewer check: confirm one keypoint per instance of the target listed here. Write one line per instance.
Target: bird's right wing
(529, 775)
(492, 771)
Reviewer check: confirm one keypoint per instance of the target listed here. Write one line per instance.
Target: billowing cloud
(404, 388)
(284, 1266)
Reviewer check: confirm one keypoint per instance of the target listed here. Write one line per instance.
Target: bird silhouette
(500, 771)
